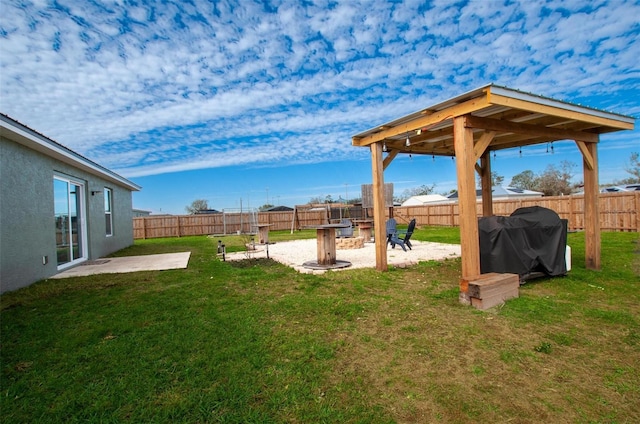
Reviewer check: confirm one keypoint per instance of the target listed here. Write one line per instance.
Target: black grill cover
(531, 240)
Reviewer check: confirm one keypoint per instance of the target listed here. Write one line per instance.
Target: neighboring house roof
(499, 192)
(140, 212)
(207, 211)
(21, 134)
(424, 199)
(615, 189)
(280, 209)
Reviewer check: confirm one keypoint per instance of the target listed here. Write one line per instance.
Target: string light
(520, 151)
(407, 142)
(552, 152)
(384, 146)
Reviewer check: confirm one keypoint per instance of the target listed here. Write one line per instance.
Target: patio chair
(347, 231)
(392, 235)
(406, 235)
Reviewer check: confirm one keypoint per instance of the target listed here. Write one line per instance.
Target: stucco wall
(27, 231)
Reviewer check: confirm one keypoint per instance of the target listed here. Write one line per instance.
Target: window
(108, 209)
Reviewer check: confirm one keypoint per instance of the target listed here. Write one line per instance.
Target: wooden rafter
(528, 129)
(424, 121)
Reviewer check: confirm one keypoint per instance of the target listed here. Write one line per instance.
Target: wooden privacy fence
(220, 223)
(618, 212)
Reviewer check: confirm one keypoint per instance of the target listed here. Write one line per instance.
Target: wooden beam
(391, 156)
(482, 143)
(591, 209)
(529, 129)
(586, 154)
(424, 121)
(428, 136)
(379, 223)
(485, 179)
(558, 111)
(518, 140)
(470, 245)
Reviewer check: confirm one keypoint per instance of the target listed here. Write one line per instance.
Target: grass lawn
(256, 342)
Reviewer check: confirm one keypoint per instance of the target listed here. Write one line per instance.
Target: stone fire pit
(349, 243)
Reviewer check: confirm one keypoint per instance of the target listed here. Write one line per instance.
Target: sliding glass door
(70, 221)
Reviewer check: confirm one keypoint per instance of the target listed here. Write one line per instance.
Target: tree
(416, 191)
(556, 181)
(633, 168)
(317, 200)
(196, 206)
(496, 180)
(525, 180)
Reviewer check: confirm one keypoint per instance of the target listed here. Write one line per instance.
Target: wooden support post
(379, 223)
(465, 166)
(487, 194)
(591, 207)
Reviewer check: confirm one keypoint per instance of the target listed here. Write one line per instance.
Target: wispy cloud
(148, 89)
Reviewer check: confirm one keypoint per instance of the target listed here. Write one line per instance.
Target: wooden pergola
(469, 127)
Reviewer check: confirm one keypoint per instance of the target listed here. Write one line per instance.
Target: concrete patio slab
(123, 264)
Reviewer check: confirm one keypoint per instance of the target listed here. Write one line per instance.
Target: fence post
(636, 207)
(572, 223)
(453, 218)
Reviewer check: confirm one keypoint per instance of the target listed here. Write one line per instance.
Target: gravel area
(295, 253)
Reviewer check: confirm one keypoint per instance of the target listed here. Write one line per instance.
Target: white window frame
(81, 220)
(108, 211)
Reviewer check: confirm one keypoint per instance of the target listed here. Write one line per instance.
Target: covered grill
(531, 242)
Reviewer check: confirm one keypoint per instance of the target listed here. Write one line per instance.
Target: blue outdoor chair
(406, 235)
(347, 231)
(401, 238)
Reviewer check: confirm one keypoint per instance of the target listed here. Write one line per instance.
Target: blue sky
(249, 102)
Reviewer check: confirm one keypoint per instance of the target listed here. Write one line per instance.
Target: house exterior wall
(27, 230)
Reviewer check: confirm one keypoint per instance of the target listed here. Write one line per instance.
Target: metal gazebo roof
(518, 118)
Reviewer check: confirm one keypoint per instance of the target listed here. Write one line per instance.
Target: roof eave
(23, 135)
